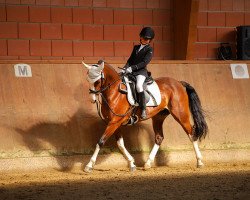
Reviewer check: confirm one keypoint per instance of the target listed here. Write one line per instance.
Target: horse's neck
(111, 79)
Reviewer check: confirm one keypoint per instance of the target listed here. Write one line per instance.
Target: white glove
(129, 70)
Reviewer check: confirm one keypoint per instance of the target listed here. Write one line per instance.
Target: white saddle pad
(152, 88)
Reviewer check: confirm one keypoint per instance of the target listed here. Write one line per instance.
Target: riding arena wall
(47, 119)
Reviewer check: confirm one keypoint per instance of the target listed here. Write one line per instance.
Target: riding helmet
(147, 33)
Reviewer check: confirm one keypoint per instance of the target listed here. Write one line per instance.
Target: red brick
(143, 16)
(72, 31)
(158, 33)
(153, 3)
(212, 51)
(39, 14)
(103, 49)
(99, 3)
(161, 17)
(216, 19)
(51, 31)
(40, 48)
(57, 2)
(93, 32)
(113, 32)
(82, 48)
(62, 48)
(234, 18)
(8, 57)
(226, 35)
(165, 4)
(103, 16)
(8, 30)
(52, 58)
(202, 19)
(247, 5)
(132, 32)
(123, 16)
(61, 14)
(226, 5)
(163, 49)
(82, 15)
(238, 5)
(213, 5)
(86, 3)
(29, 30)
(201, 50)
(3, 48)
(140, 4)
(247, 18)
(206, 34)
(167, 33)
(29, 58)
(203, 5)
(71, 2)
(18, 47)
(43, 2)
(12, 1)
(123, 48)
(28, 2)
(17, 13)
(72, 58)
(2, 13)
(113, 4)
(126, 3)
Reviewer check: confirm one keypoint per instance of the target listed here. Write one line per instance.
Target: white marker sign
(22, 70)
(239, 71)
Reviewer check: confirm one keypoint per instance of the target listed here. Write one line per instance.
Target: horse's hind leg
(129, 158)
(157, 125)
(182, 115)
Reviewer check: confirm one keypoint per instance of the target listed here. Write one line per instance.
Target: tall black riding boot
(142, 104)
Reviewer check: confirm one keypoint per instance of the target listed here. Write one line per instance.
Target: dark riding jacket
(138, 60)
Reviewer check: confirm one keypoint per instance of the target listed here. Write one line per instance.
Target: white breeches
(139, 83)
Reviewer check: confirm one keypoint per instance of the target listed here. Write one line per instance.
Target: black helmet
(147, 33)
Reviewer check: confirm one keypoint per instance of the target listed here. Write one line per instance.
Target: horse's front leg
(129, 158)
(157, 125)
(111, 128)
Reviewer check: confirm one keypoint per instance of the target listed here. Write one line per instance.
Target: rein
(98, 103)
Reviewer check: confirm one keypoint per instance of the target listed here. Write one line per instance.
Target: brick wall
(77, 29)
(216, 23)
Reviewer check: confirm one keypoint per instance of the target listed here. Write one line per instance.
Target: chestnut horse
(177, 98)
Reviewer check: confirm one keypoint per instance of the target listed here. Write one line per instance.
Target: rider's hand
(129, 70)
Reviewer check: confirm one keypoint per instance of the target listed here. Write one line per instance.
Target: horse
(178, 98)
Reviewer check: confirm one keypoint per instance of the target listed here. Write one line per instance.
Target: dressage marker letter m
(22, 70)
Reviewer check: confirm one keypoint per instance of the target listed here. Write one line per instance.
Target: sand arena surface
(214, 181)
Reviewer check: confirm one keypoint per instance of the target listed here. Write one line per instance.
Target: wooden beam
(185, 28)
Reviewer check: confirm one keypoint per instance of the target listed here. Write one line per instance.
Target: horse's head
(94, 77)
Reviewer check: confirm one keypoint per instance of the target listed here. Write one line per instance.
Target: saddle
(151, 90)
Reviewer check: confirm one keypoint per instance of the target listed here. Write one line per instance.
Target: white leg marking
(120, 144)
(92, 161)
(151, 156)
(197, 152)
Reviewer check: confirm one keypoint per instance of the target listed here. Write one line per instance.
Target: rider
(137, 64)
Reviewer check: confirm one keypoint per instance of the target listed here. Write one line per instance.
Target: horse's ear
(86, 65)
(101, 65)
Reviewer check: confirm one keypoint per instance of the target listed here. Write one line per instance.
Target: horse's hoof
(132, 169)
(200, 165)
(147, 166)
(88, 169)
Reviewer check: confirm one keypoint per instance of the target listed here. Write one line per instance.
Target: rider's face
(144, 41)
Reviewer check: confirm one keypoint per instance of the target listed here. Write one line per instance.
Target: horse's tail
(200, 128)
